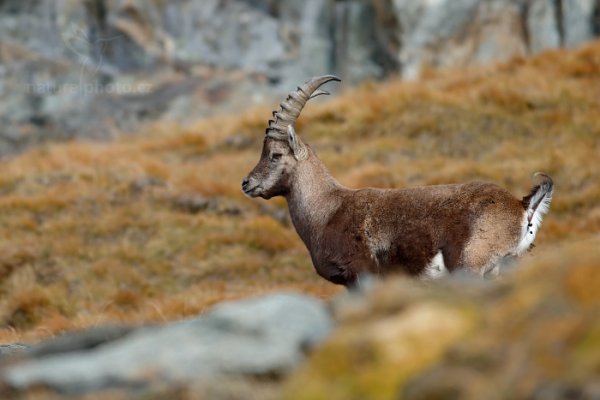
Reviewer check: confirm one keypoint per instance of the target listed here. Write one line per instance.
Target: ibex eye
(275, 156)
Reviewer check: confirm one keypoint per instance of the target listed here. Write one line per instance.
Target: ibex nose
(245, 182)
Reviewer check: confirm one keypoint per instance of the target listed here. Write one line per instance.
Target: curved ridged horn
(292, 106)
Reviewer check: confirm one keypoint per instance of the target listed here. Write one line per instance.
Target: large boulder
(265, 337)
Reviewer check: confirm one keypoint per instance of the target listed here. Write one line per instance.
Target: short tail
(537, 202)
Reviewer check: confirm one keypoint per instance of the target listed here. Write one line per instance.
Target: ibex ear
(298, 148)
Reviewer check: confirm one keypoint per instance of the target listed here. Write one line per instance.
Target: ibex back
(425, 231)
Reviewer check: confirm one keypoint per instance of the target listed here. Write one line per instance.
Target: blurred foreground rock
(262, 338)
(534, 334)
(11, 350)
(100, 68)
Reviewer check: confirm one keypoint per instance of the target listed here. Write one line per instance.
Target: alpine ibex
(425, 231)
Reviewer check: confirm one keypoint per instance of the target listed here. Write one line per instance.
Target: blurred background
(126, 127)
(97, 68)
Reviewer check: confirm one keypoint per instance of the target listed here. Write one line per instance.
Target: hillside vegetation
(154, 227)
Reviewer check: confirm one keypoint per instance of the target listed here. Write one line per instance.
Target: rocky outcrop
(457, 33)
(99, 68)
(261, 338)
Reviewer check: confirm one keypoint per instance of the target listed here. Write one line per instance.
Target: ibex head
(282, 149)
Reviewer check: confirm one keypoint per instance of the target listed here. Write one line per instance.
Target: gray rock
(80, 341)
(8, 351)
(267, 336)
(426, 27)
(228, 34)
(305, 31)
(497, 33)
(543, 26)
(356, 42)
(455, 33)
(578, 21)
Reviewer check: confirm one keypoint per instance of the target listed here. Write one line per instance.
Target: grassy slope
(91, 233)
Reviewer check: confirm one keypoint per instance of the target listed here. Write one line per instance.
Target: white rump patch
(436, 267)
(532, 220)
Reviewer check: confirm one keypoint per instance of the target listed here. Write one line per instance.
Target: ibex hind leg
(491, 247)
(488, 259)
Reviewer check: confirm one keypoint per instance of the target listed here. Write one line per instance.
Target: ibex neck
(314, 198)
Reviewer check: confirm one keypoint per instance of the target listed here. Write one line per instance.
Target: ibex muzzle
(282, 148)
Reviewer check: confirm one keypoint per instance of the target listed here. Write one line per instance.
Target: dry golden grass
(154, 227)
